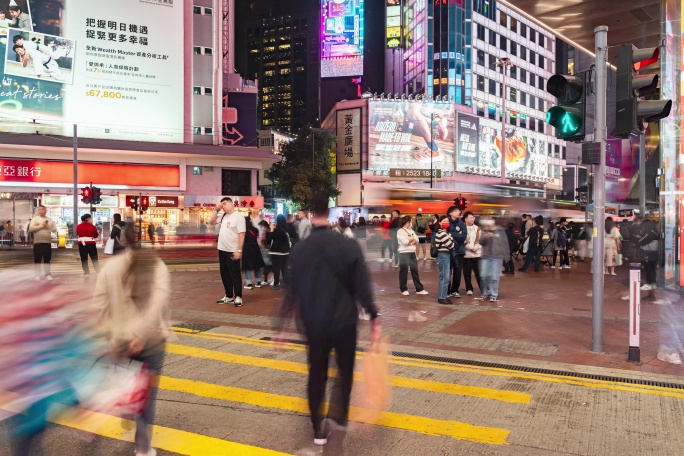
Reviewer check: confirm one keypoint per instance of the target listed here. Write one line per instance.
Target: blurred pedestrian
(535, 245)
(231, 239)
(117, 234)
(343, 228)
(459, 233)
(444, 244)
(473, 252)
(648, 244)
(407, 241)
(87, 244)
(329, 280)
(161, 234)
(395, 224)
(361, 234)
(559, 237)
(304, 228)
(565, 240)
(9, 229)
(494, 249)
(22, 235)
(279, 246)
(420, 227)
(264, 228)
(386, 240)
(292, 229)
(132, 295)
(151, 232)
(42, 227)
(509, 264)
(611, 246)
(252, 261)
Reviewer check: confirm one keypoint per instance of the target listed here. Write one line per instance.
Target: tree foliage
(307, 168)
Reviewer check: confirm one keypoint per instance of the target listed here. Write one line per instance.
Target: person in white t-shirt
(231, 238)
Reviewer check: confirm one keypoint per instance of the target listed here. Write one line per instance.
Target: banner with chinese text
(349, 140)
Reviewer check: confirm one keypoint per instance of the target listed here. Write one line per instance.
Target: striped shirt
(443, 241)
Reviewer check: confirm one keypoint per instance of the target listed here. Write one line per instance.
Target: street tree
(307, 167)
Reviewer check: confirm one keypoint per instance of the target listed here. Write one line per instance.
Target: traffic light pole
(75, 143)
(642, 175)
(91, 199)
(600, 136)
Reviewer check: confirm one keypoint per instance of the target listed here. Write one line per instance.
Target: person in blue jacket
(458, 232)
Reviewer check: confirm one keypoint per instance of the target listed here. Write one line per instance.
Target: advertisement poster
(349, 140)
(92, 63)
(240, 129)
(411, 135)
(342, 38)
(467, 140)
(525, 151)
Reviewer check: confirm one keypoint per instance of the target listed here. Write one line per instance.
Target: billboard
(91, 63)
(349, 140)
(525, 153)
(411, 135)
(393, 24)
(342, 36)
(240, 127)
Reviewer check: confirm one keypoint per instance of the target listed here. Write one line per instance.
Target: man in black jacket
(509, 265)
(459, 233)
(328, 279)
(535, 245)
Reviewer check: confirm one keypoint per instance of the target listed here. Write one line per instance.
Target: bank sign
(113, 68)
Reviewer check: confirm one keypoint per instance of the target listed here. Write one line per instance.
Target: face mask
(445, 225)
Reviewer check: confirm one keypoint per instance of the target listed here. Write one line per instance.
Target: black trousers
(42, 253)
(533, 254)
(650, 263)
(88, 250)
(231, 275)
(409, 261)
(471, 265)
(509, 264)
(456, 271)
(564, 258)
(321, 343)
(279, 266)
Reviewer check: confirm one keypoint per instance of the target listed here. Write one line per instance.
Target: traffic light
(134, 203)
(145, 203)
(630, 111)
(569, 116)
(86, 195)
(96, 195)
(461, 203)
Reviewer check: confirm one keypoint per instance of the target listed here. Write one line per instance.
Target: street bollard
(634, 311)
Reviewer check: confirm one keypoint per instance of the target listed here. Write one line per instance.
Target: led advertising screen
(93, 63)
(410, 135)
(341, 38)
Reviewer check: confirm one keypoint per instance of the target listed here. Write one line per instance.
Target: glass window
(208, 51)
(513, 119)
(208, 131)
(513, 94)
(197, 50)
(503, 18)
(492, 115)
(197, 90)
(481, 58)
(522, 98)
(208, 91)
(503, 43)
(197, 9)
(533, 102)
(514, 72)
(542, 105)
(556, 150)
(523, 121)
(542, 83)
(542, 61)
(492, 87)
(208, 11)
(540, 126)
(523, 52)
(480, 109)
(514, 25)
(481, 31)
(492, 37)
(514, 48)
(523, 30)
(492, 62)
(533, 35)
(541, 40)
(197, 130)
(533, 56)
(480, 82)
(523, 75)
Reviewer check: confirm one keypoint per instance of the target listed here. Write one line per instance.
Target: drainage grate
(199, 327)
(532, 370)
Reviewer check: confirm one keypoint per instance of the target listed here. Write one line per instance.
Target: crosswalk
(231, 377)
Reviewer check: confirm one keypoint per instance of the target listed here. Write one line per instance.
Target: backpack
(536, 237)
(561, 239)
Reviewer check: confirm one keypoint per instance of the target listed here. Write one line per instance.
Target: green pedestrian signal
(569, 116)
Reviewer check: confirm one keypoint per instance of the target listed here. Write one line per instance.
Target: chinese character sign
(114, 68)
(349, 140)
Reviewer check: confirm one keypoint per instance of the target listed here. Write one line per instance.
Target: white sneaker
(152, 452)
(381, 260)
(416, 316)
(469, 292)
(405, 293)
(49, 278)
(553, 267)
(646, 287)
(672, 358)
(422, 292)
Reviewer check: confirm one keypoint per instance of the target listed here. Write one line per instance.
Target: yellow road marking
(454, 429)
(163, 438)
(490, 371)
(402, 382)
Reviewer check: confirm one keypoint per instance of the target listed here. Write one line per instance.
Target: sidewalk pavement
(541, 316)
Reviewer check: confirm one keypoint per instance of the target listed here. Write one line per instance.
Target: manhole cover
(199, 327)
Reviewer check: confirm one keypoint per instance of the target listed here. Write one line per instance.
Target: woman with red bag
(132, 293)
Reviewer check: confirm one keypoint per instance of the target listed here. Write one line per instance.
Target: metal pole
(14, 221)
(432, 128)
(91, 198)
(313, 152)
(75, 142)
(642, 175)
(140, 221)
(600, 135)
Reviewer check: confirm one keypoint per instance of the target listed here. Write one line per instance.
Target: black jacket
(512, 240)
(328, 277)
(117, 235)
(251, 253)
(279, 241)
(292, 231)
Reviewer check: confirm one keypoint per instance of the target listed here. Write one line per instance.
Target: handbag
(434, 251)
(376, 395)
(618, 259)
(109, 247)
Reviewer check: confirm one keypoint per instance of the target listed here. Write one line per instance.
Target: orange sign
(111, 174)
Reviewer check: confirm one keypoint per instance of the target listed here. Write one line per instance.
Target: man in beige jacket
(42, 228)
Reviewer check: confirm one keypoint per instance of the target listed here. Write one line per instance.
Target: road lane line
(490, 371)
(163, 438)
(401, 382)
(429, 426)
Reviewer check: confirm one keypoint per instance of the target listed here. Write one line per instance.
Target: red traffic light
(86, 195)
(144, 203)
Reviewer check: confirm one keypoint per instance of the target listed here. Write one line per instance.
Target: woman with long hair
(131, 295)
(648, 245)
(611, 245)
(407, 240)
(343, 228)
(252, 261)
(279, 242)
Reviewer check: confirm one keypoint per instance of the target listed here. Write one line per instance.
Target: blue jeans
(248, 276)
(444, 264)
(490, 272)
(153, 356)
